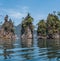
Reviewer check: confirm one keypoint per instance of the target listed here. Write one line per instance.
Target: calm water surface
(30, 50)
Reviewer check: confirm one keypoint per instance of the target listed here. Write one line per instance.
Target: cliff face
(7, 28)
(27, 33)
(8, 25)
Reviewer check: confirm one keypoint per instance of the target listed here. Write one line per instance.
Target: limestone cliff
(27, 27)
(7, 28)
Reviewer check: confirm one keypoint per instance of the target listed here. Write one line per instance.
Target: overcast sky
(38, 9)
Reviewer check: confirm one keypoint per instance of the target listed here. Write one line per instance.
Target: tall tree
(52, 23)
(41, 27)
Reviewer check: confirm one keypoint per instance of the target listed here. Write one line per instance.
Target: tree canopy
(27, 22)
(51, 26)
(42, 27)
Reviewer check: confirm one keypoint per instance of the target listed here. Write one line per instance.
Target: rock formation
(7, 28)
(27, 27)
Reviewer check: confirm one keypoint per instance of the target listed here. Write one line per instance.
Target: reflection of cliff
(53, 43)
(41, 43)
(26, 42)
(6, 44)
(51, 46)
(55, 46)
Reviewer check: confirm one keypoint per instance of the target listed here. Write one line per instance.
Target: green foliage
(51, 26)
(27, 22)
(42, 27)
(53, 23)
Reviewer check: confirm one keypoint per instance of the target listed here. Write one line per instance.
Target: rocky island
(7, 29)
(27, 27)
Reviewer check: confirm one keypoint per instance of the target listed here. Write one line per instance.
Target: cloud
(25, 9)
(11, 13)
(15, 14)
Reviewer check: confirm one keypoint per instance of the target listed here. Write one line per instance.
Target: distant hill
(17, 30)
(0, 26)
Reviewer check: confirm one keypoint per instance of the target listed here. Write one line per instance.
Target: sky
(17, 9)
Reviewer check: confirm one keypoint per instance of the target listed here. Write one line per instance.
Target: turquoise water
(30, 50)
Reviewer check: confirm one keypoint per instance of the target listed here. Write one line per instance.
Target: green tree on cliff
(27, 22)
(53, 24)
(41, 27)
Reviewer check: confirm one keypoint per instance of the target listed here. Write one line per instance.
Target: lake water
(30, 50)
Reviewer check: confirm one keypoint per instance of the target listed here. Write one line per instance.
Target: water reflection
(29, 49)
(6, 44)
(52, 48)
(26, 42)
(42, 43)
(47, 43)
(6, 54)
